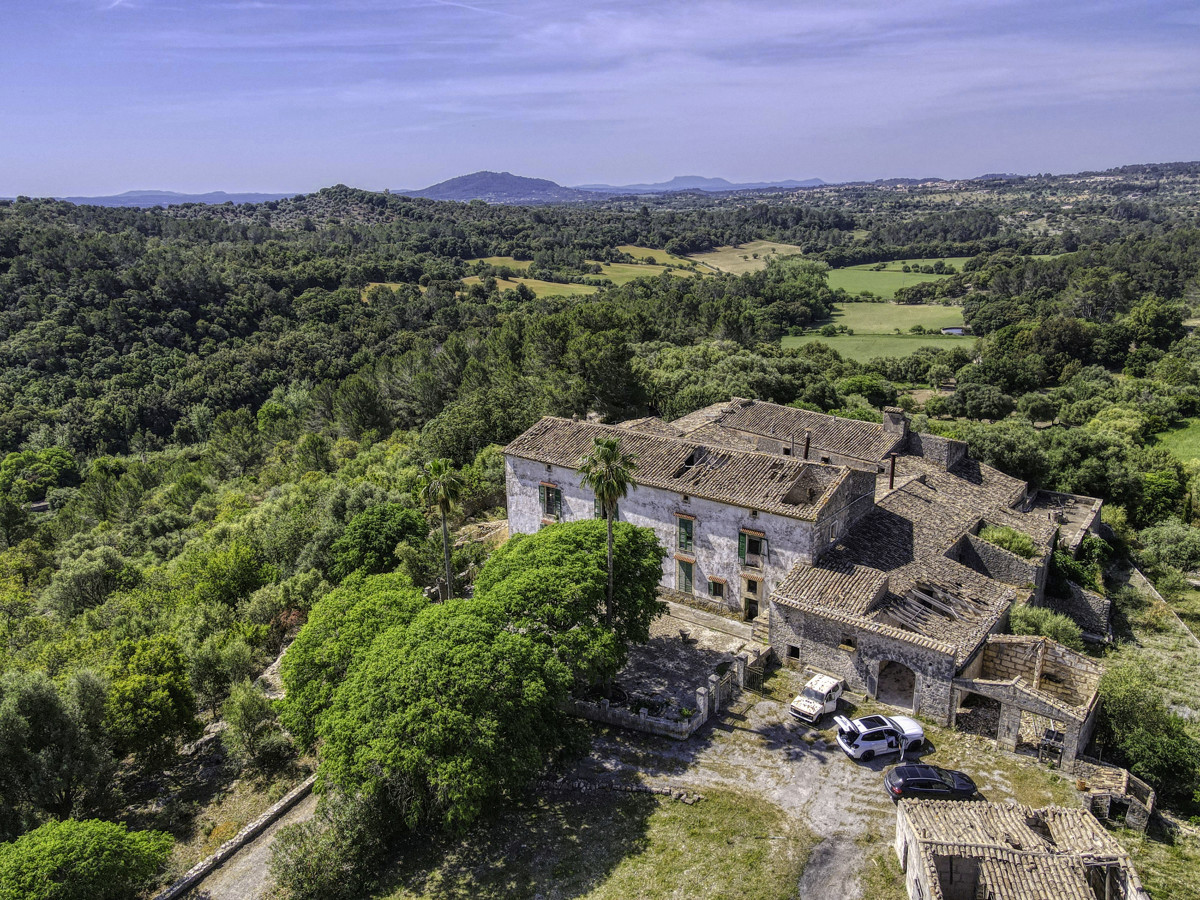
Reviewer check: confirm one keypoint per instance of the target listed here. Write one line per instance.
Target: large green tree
(447, 714)
(88, 860)
(150, 701)
(370, 539)
(340, 628)
(555, 581)
(609, 473)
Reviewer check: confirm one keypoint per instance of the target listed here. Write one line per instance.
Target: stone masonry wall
(996, 562)
(944, 452)
(715, 529)
(822, 645)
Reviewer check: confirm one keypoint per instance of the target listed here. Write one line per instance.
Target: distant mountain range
(697, 183)
(171, 198)
(504, 187)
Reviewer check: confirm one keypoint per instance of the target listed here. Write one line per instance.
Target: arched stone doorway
(896, 685)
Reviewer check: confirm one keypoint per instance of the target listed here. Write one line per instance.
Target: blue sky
(102, 96)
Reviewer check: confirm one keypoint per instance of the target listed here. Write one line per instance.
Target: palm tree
(441, 487)
(609, 473)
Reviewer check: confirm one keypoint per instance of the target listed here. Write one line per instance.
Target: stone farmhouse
(853, 547)
(961, 851)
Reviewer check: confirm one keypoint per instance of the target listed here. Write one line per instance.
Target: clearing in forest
(661, 257)
(884, 282)
(1183, 441)
(747, 258)
(874, 326)
(540, 288)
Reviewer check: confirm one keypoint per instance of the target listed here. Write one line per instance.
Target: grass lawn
(883, 283)
(1168, 867)
(539, 288)
(1184, 441)
(739, 260)
(662, 257)
(862, 347)
(601, 845)
(883, 318)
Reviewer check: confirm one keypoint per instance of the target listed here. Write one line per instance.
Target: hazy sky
(101, 96)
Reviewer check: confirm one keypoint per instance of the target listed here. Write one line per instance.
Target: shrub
(1045, 623)
(73, 860)
(1010, 539)
(1149, 739)
(335, 854)
(253, 735)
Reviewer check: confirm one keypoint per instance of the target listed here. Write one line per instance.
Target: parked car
(929, 782)
(873, 736)
(819, 696)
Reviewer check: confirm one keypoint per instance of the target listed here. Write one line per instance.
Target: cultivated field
(884, 283)
(874, 327)
(540, 288)
(662, 257)
(623, 273)
(746, 258)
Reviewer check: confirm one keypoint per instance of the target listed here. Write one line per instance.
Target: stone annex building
(1002, 851)
(853, 547)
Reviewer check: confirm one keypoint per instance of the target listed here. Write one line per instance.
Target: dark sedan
(929, 783)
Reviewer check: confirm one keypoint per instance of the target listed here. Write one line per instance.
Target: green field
(884, 318)
(1184, 441)
(883, 283)
(746, 258)
(623, 273)
(662, 257)
(540, 288)
(862, 347)
(874, 327)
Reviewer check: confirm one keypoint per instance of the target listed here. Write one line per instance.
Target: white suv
(873, 736)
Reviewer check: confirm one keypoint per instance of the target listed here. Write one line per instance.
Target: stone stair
(761, 631)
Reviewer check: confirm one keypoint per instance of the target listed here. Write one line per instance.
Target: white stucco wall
(714, 536)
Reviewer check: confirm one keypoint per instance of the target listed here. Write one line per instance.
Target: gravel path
(758, 748)
(246, 875)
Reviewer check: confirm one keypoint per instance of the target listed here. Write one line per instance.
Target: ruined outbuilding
(1047, 693)
(964, 851)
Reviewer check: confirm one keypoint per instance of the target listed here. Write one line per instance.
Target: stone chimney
(895, 421)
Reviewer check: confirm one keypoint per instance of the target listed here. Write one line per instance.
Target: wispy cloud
(607, 89)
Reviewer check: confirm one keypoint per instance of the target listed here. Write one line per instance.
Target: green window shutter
(597, 509)
(542, 498)
(685, 576)
(557, 503)
(742, 547)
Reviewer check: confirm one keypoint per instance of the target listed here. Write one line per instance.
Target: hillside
(500, 187)
(145, 199)
(698, 183)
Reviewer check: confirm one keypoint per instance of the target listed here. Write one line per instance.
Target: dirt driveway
(757, 747)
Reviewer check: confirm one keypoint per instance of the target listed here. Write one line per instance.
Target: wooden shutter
(557, 503)
(742, 547)
(542, 499)
(597, 509)
(766, 555)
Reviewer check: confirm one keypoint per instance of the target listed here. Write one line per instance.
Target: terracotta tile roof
(772, 484)
(1023, 853)
(846, 437)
